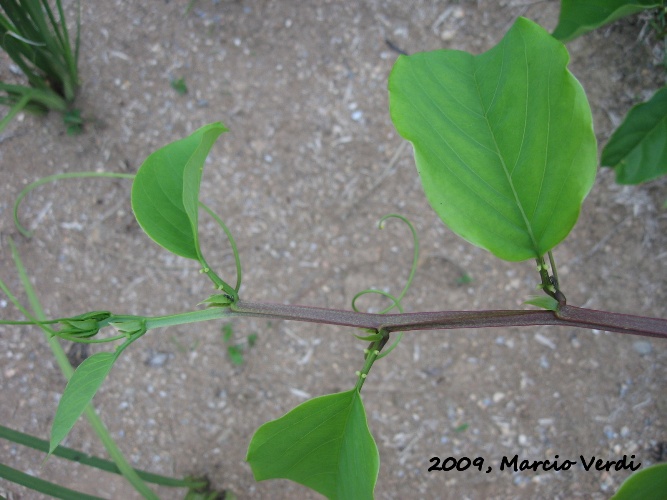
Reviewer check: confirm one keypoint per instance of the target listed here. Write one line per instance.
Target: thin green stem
(80, 340)
(4, 288)
(219, 283)
(188, 317)
(371, 355)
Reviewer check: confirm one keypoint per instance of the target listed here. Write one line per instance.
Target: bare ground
(311, 162)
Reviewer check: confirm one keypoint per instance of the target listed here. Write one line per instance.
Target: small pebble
(544, 362)
(158, 359)
(642, 347)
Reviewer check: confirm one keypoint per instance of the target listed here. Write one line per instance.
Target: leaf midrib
(519, 205)
(463, 162)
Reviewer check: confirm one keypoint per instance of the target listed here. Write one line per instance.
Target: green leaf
(323, 444)
(217, 300)
(179, 86)
(227, 332)
(638, 147)
(79, 391)
(165, 192)
(235, 353)
(645, 483)
(581, 16)
(370, 338)
(252, 340)
(503, 141)
(543, 301)
(462, 428)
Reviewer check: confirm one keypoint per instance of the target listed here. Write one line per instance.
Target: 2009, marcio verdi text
(515, 464)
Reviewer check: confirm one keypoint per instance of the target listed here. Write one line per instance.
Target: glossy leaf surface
(503, 141)
(638, 148)
(165, 192)
(650, 482)
(323, 444)
(80, 389)
(581, 16)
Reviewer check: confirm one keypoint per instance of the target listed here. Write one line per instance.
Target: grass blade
(46, 487)
(85, 459)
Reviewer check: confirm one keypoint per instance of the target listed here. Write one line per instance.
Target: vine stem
(566, 315)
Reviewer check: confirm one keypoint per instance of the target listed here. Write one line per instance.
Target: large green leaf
(646, 483)
(638, 148)
(503, 141)
(581, 16)
(165, 192)
(80, 389)
(323, 444)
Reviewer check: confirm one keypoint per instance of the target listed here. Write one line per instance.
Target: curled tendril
(232, 243)
(53, 178)
(396, 301)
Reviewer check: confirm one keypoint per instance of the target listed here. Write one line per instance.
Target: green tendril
(379, 339)
(53, 178)
(232, 243)
(396, 301)
(392, 346)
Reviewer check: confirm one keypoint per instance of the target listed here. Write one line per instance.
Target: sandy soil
(311, 162)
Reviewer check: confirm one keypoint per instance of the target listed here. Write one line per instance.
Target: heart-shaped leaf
(637, 150)
(323, 444)
(503, 141)
(80, 389)
(581, 16)
(165, 192)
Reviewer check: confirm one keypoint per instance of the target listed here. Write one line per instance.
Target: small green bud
(129, 327)
(217, 300)
(79, 328)
(84, 325)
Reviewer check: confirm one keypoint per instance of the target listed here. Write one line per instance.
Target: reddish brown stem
(566, 316)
